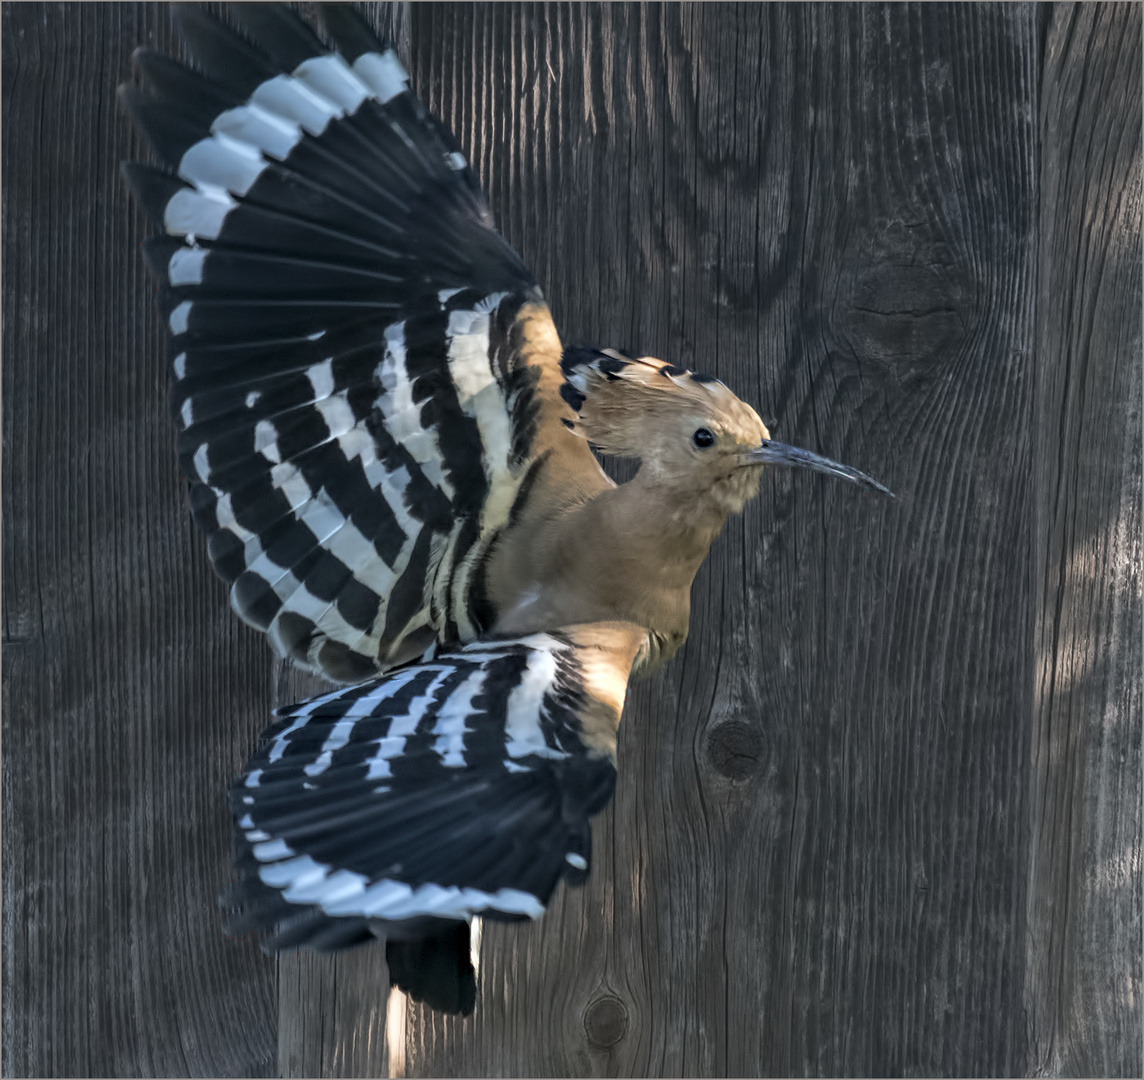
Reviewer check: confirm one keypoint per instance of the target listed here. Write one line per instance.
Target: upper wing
(450, 788)
(365, 370)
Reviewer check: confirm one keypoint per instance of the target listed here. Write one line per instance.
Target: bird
(395, 462)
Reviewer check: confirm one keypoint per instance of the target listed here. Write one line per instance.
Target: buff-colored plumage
(590, 551)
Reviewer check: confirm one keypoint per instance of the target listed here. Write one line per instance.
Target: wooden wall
(882, 815)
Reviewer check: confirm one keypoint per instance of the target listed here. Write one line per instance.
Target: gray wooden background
(883, 814)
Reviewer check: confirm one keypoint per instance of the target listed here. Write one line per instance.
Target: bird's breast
(546, 586)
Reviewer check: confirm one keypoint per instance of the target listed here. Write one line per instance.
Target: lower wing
(405, 806)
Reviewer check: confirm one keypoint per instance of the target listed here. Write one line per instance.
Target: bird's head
(689, 431)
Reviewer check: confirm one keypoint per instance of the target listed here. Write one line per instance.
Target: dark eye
(703, 438)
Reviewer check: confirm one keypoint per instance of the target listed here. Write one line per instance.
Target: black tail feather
(436, 969)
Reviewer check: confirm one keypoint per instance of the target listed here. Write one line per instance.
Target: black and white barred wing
(361, 360)
(447, 789)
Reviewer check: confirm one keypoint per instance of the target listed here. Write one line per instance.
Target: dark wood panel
(131, 693)
(1085, 922)
(817, 860)
(883, 813)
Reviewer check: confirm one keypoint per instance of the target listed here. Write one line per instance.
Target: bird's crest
(623, 401)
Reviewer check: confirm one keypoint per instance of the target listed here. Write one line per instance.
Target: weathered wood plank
(816, 858)
(131, 693)
(883, 814)
(1084, 903)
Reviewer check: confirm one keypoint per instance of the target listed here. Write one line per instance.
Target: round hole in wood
(606, 1021)
(736, 749)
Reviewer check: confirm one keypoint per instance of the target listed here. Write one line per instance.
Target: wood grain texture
(1084, 901)
(131, 693)
(819, 860)
(882, 815)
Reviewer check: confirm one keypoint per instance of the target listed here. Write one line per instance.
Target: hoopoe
(390, 453)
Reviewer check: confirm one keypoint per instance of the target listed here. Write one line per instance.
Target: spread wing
(365, 372)
(457, 787)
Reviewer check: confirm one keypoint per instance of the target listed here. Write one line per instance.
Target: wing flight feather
(365, 371)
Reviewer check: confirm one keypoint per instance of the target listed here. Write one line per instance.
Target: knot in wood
(736, 749)
(909, 299)
(606, 1021)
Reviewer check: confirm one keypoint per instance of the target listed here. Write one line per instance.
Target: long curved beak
(777, 453)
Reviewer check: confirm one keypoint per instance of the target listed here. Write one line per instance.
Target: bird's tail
(436, 968)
